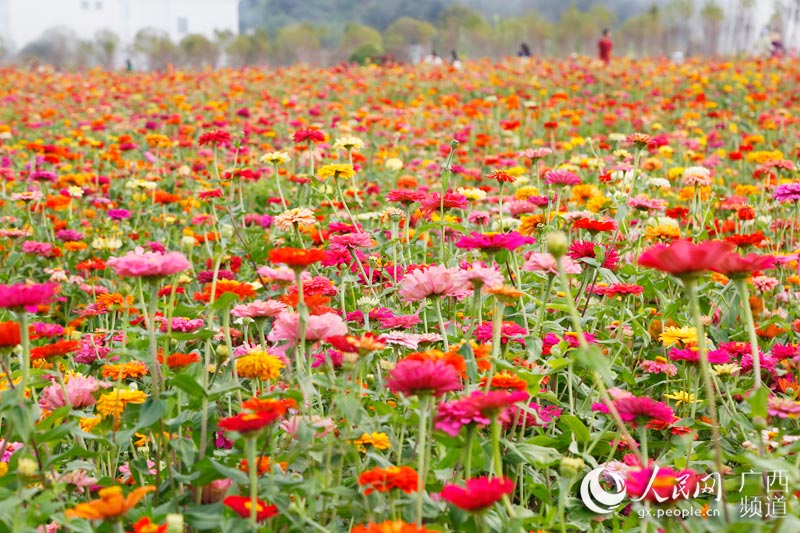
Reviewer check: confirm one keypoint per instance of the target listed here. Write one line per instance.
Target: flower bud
(557, 244)
(570, 466)
(174, 523)
(27, 467)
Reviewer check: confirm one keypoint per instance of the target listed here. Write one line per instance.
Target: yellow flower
(472, 193)
(662, 232)
(725, 370)
(523, 193)
(88, 424)
(275, 158)
(379, 441)
(584, 192)
(113, 403)
(672, 335)
(336, 170)
(681, 397)
(259, 364)
(3, 469)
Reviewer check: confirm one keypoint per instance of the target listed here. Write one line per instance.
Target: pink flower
(478, 408)
(658, 366)
(545, 414)
(352, 240)
(659, 485)
(436, 280)
(544, 262)
(480, 493)
(494, 242)
(561, 177)
(638, 410)
(183, 324)
(138, 264)
(432, 203)
(258, 309)
(80, 392)
(764, 283)
(684, 259)
(479, 275)
(26, 296)
(291, 425)
(317, 327)
(42, 249)
(413, 377)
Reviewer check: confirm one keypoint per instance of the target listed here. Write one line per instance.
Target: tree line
(684, 26)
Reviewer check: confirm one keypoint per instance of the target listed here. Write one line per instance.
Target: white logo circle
(595, 497)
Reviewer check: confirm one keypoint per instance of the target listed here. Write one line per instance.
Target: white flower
(348, 143)
(393, 163)
(275, 158)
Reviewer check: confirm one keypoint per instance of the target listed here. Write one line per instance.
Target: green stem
(705, 369)
(25, 339)
(741, 285)
(252, 469)
(437, 304)
(497, 458)
(421, 440)
(278, 182)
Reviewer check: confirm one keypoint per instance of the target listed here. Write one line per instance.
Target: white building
(23, 21)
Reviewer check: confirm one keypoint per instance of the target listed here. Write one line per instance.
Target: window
(183, 25)
(98, 6)
(85, 4)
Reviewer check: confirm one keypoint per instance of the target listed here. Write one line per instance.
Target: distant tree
(106, 47)
(357, 36)
(298, 42)
(56, 46)
(463, 28)
(197, 51)
(249, 49)
(156, 48)
(712, 16)
(677, 13)
(531, 28)
(406, 34)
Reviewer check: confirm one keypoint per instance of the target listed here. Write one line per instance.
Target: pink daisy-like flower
(783, 407)
(80, 392)
(28, 297)
(509, 332)
(433, 281)
(352, 240)
(580, 249)
(562, 177)
(494, 242)
(413, 377)
(432, 203)
(658, 366)
(141, 264)
(479, 275)
(638, 410)
(545, 415)
(660, 485)
(318, 327)
(258, 309)
(544, 262)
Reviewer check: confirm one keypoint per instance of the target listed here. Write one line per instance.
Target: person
(604, 47)
(454, 60)
(776, 45)
(433, 58)
(129, 65)
(524, 50)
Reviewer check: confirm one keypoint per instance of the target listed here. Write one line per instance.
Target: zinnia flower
(242, 506)
(479, 494)
(141, 264)
(28, 297)
(436, 280)
(414, 377)
(380, 479)
(318, 327)
(643, 410)
(494, 242)
(684, 259)
(111, 504)
(296, 258)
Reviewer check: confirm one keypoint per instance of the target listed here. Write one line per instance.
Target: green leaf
(758, 402)
(151, 412)
(575, 427)
(189, 385)
(185, 449)
(224, 301)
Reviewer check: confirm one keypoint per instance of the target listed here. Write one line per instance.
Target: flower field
(515, 297)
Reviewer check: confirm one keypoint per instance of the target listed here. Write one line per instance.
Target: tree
(249, 49)
(56, 46)
(106, 47)
(298, 43)
(712, 16)
(156, 48)
(356, 36)
(462, 28)
(407, 37)
(197, 51)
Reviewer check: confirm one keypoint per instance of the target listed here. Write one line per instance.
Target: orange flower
(111, 504)
(9, 334)
(134, 369)
(385, 479)
(54, 350)
(242, 290)
(296, 258)
(180, 360)
(270, 405)
(452, 358)
(144, 525)
(505, 380)
(391, 526)
(264, 465)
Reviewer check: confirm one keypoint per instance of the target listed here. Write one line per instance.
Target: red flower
(735, 266)
(296, 257)
(9, 334)
(308, 134)
(248, 422)
(479, 494)
(144, 525)
(501, 176)
(684, 259)
(242, 505)
(595, 226)
(216, 138)
(54, 350)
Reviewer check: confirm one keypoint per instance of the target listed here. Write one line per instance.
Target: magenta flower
(435, 280)
(141, 264)
(479, 494)
(28, 297)
(509, 331)
(561, 177)
(494, 242)
(452, 416)
(479, 275)
(638, 410)
(787, 192)
(352, 240)
(413, 377)
(433, 202)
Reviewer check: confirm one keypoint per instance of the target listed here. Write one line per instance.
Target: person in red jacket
(604, 47)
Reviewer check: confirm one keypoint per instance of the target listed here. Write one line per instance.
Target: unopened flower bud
(557, 244)
(27, 467)
(570, 466)
(174, 523)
